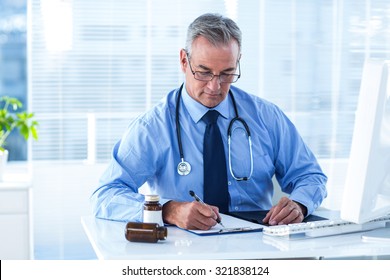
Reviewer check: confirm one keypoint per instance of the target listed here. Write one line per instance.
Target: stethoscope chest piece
(183, 168)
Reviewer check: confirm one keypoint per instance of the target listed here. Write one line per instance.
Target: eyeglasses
(208, 76)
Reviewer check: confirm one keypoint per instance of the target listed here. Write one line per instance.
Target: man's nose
(215, 83)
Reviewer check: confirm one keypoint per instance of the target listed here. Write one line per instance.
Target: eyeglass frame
(212, 75)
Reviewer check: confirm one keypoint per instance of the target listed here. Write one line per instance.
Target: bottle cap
(162, 233)
(152, 197)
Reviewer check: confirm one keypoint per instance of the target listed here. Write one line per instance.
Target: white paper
(231, 224)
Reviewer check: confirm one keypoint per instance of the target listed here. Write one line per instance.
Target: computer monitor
(367, 187)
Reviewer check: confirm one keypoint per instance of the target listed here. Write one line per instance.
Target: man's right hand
(190, 215)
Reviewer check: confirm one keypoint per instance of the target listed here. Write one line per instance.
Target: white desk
(108, 240)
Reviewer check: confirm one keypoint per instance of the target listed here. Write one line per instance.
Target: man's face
(205, 57)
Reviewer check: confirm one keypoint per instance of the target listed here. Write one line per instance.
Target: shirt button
(236, 208)
(229, 183)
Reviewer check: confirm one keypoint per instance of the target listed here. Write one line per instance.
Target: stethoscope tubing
(178, 129)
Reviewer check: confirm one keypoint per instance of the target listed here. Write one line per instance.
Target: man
(150, 152)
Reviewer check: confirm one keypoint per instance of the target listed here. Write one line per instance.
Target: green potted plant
(10, 119)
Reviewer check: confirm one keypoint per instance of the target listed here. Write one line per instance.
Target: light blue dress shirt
(148, 153)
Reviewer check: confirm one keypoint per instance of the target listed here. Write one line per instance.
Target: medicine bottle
(153, 210)
(145, 232)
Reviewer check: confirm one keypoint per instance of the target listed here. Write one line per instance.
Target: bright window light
(58, 24)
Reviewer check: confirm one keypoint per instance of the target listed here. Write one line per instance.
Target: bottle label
(153, 217)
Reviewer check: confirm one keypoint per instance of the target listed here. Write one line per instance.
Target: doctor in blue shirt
(149, 149)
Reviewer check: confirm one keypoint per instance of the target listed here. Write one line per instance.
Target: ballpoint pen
(201, 201)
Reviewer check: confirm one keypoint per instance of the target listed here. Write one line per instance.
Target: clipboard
(258, 216)
(232, 225)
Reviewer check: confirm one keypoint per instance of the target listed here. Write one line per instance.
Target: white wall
(336, 170)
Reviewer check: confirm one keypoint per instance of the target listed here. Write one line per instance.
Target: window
(13, 61)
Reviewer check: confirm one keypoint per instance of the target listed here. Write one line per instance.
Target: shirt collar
(197, 110)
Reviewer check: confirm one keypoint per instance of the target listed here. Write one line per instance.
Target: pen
(201, 201)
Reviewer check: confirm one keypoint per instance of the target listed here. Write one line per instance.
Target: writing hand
(190, 215)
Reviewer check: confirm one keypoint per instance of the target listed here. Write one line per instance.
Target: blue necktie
(214, 162)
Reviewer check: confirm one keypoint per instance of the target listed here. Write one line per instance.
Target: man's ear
(183, 60)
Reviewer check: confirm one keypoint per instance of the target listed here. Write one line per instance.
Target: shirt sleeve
(134, 160)
(296, 167)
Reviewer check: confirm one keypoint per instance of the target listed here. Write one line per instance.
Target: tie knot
(210, 117)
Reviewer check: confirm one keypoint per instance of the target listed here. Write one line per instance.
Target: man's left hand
(286, 211)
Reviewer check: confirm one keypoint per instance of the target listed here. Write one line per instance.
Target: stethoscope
(184, 167)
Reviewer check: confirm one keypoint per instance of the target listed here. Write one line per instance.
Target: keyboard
(323, 228)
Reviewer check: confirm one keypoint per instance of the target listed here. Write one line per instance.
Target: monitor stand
(382, 235)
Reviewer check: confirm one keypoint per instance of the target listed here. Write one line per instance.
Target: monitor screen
(367, 187)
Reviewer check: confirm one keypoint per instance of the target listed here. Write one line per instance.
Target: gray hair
(217, 29)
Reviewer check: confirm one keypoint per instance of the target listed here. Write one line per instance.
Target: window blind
(96, 65)
(102, 63)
